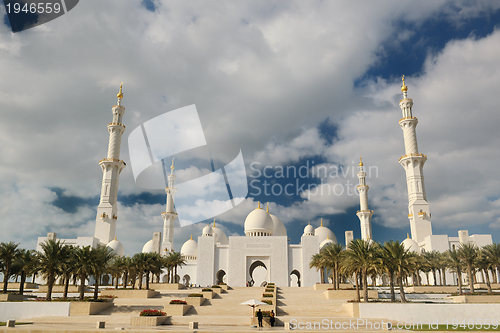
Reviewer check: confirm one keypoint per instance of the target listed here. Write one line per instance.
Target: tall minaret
(364, 214)
(413, 163)
(169, 215)
(111, 167)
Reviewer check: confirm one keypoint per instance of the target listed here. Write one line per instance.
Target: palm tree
(50, 262)
(360, 255)
(492, 251)
(484, 264)
(455, 264)
(332, 257)
(102, 256)
(118, 269)
(26, 261)
(8, 253)
(84, 258)
(140, 260)
(176, 260)
(468, 254)
(68, 267)
(317, 261)
(432, 262)
(387, 256)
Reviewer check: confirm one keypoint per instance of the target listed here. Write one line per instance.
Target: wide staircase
(225, 309)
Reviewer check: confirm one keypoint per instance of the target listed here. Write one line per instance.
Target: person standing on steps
(271, 318)
(259, 317)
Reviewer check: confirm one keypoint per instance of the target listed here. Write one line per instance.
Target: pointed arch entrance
(258, 271)
(220, 276)
(295, 278)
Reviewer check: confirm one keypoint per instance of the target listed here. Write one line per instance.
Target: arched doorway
(258, 274)
(220, 276)
(295, 278)
(186, 280)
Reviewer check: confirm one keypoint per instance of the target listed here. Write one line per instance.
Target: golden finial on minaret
(360, 161)
(321, 221)
(172, 167)
(214, 223)
(404, 87)
(267, 209)
(191, 236)
(258, 206)
(120, 94)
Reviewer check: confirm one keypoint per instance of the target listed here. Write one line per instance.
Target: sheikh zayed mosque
(264, 253)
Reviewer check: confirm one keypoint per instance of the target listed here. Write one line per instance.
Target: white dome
(148, 247)
(117, 247)
(207, 231)
(324, 233)
(411, 245)
(309, 230)
(279, 227)
(259, 223)
(326, 241)
(190, 249)
(221, 237)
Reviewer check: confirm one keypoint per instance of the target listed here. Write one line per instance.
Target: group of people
(271, 317)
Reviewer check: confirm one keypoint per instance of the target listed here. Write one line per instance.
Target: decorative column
(364, 213)
(413, 163)
(169, 215)
(111, 167)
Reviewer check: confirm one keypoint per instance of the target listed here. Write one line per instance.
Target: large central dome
(259, 223)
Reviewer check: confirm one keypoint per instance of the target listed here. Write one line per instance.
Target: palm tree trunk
(365, 285)
(434, 277)
(357, 286)
(427, 277)
(82, 286)
(141, 274)
(488, 285)
(322, 275)
(96, 287)
(147, 280)
(50, 284)
(443, 272)
(471, 278)
(6, 279)
(401, 288)
(459, 280)
(391, 286)
(21, 286)
(125, 280)
(116, 281)
(175, 275)
(66, 286)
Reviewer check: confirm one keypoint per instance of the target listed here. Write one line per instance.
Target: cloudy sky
(298, 85)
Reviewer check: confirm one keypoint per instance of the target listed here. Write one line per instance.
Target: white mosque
(264, 254)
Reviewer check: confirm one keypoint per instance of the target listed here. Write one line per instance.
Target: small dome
(324, 233)
(325, 242)
(148, 247)
(117, 247)
(207, 231)
(279, 227)
(411, 245)
(309, 230)
(221, 237)
(190, 249)
(259, 223)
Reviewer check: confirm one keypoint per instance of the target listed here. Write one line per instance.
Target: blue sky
(293, 83)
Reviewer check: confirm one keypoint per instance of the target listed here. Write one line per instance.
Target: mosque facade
(264, 254)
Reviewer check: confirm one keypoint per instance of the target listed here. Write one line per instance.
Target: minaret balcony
(420, 155)
(408, 118)
(112, 160)
(116, 124)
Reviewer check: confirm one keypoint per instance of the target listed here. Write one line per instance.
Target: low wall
(476, 299)
(427, 313)
(195, 301)
(166, 286)
(60, 289)
(88, 308)
(326, 286)
(476, 286)
(349, 294)
(25, 310)
(27, 285)
(119, 293)
(431, 289)
(176, 309)
(12, 297)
